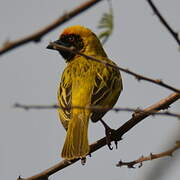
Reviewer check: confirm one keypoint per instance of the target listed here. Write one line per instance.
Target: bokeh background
(31, 141)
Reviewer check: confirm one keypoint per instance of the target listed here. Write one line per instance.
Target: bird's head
(81, 39)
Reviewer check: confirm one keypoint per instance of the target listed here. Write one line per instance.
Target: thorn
(119, 164)
(83, 161)
(131, 165)
(151, 156)
(138, 78)
(140, 165)
(116, 144)
(116, 109)
(19, 178)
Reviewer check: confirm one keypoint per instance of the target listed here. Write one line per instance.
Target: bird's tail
(76, 143)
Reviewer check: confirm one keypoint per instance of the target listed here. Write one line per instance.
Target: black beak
(50, 46)
(65, 54)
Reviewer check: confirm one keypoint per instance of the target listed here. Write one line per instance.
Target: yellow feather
(85, 83)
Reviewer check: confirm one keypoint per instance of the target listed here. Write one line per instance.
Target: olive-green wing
(107, 88)
(64, 99)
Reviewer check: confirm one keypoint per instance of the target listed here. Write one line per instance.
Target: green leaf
(106, 24)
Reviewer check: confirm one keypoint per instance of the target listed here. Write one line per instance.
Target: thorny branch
(137, 76)
(37, 36)
(163, 21)
(150, 157)
(137, 118)
(96, 108)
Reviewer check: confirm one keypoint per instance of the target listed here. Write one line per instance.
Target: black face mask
(69, 40)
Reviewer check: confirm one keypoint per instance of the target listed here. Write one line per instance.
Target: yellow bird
(84, 83)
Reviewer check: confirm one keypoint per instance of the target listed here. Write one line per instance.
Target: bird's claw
(109, 133)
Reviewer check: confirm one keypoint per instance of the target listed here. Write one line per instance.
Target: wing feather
(64, 98)
(108, 86)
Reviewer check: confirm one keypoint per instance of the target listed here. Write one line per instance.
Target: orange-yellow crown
(91, 43)
(79, 30)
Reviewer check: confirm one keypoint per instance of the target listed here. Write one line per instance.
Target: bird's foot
(109, 133)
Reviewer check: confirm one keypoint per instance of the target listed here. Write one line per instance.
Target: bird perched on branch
(84, 83)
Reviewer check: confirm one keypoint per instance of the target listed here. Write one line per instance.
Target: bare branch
(150, 157)
(163, 21)
(96, 108)
(138, 117)
(137, 76)
(37, 36)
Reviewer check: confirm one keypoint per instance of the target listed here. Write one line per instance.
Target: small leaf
(106, 23)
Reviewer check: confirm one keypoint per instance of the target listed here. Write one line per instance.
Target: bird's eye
(71, 38)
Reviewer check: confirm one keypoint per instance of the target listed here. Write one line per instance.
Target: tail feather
(76, 142)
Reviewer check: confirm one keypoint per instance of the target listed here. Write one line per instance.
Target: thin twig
(163, 21)
(137, 76)
(37, 36)
(140, 160)
(95, 109)
(116, 136)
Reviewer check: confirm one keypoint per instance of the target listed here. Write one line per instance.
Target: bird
(84, 83)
